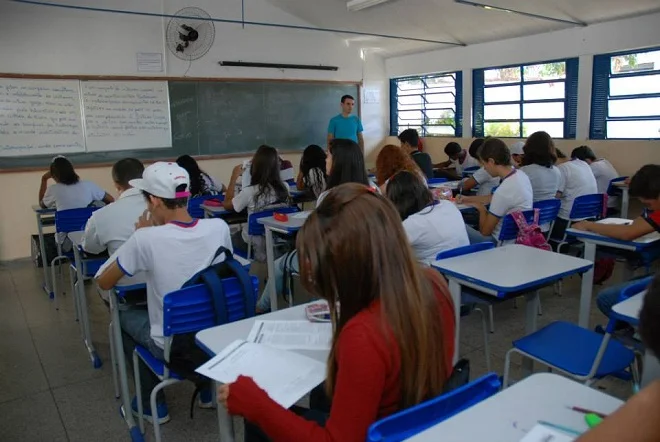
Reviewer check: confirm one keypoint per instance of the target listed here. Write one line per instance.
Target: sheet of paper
(285, 376)
(292, 335)
(301, 215)
(650, 237)
(542, 433)
(616, 221)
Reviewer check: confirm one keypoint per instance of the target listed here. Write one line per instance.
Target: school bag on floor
(530, 235)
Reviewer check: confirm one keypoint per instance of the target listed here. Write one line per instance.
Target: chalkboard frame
(113, 156)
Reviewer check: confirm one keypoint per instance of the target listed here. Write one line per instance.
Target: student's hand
(145, 220)
(242, 397)
(581, 225)
(238, 171)
(223, 394)
(46, 176)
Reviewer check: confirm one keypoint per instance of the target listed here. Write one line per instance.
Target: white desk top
(214, 340)
(510, 414)
(216, 210)
(511, 268)
(631, 307)
(295, 222)
(638, 243)
(449, 184)
(38, 209)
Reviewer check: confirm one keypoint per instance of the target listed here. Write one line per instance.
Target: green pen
(592, 419)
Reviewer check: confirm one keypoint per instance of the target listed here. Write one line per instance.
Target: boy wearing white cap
(517, 153)
(168, 247)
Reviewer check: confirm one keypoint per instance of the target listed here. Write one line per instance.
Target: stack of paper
(292, 335)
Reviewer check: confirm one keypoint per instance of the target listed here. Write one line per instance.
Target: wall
(47, 40)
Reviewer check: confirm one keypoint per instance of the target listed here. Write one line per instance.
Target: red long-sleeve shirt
(367, 386)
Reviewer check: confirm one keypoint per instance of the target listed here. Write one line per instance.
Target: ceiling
(446, 20)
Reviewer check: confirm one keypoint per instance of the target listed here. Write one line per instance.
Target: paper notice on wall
(371, 95)
(149, 62)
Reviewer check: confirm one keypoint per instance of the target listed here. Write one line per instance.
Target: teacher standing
(346, 125)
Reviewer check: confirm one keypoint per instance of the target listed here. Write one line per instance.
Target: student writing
(459, 160)
(410, 144)
(602, 169)
(201, 183)
(538, 163)
(481, 177)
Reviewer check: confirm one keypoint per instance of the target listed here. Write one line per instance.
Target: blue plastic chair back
(469, 171)
(548, 210)
(510, 228)
(431, 181)
(459, 251)
(414, 420)
(636, 287)
(191, 309)
(612, 190)
(254, 228)
(195, 204)
(587, 206)
(73, 220)
(291, 182)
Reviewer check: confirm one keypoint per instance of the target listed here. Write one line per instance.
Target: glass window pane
(410, 115)
(543, 110)
(504, 129)
(502, 75)
(554, 128)
(638, 62)
(410, 99)
(440, 130)
(501, 93)
(544, 91)
(431, 106)
(440, 98)
(635, 85)
(545, 71)
(447, 81)
(502, 112)
(633, 129)
(637, 107)
(441, 114)
(405, 124)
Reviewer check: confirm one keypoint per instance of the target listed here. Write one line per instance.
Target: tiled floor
(50, 392)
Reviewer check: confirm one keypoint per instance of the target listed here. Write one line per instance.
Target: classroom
(200, 130)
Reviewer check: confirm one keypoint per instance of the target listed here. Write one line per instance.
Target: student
(431, 226)
(266, 189)
(603, 171)
(459, 159)
(410, 143)
(637, 420)
(513, 194)
(201, 183)
(110, 226)
(517, 153)
(392, 159)
(69, 191)
(312, 176)
(481, 177)
(346, 125)
(538, 164)
(286, 174)
(576, 180)
(168, 247)
(381, 361)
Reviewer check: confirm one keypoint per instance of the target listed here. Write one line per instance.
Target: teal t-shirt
(348, 127)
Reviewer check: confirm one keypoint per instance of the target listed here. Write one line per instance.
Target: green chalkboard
(231, 117)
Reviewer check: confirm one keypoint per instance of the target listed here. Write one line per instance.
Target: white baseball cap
(161, 179)
(517, 148)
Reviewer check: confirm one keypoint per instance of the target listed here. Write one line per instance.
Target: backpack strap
(536, 216)
(519, 218)
(243, 278)
(213, 283)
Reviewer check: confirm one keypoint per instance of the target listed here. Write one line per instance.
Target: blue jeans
(476, 237)
(263, 304)
(136, 330)
(608, 297)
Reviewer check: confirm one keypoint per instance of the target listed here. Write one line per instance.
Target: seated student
(381, 361)
(576, 180)
(69, 191)
(110, 226)
(286, 174)
(168, 247)
(286, 171)
(637, 419)
(539, 165)
(312, 176)
(517, 153)
(266, 189)
(603, 171)
(481, 177)
(201, 183)
(513, 194)
(459, 160)
(431, 226)
(410, 144)
(392, 159)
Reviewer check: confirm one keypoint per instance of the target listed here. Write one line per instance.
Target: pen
(587, 411)
(560, 428)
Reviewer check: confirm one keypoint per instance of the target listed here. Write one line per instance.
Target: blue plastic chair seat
(155, 364)
(573, 349)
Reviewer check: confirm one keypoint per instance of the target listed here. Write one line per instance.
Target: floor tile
(32, 419)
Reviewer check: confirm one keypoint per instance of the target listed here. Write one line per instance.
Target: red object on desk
(281, 217)
(213, 202)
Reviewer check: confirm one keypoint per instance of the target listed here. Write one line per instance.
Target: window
(625, 96)
(432, 104)
(516, 101)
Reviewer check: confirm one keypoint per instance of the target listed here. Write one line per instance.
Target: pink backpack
(530, 234)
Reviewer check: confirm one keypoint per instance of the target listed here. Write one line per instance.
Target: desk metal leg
(270, 264)
(531, 312)
(455, 290)
(587, 286)
(84, 312)
(44, 258)
(225, 422)
(625, 201)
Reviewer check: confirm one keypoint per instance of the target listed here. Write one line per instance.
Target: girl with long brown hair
(392, 159)
(393, 340)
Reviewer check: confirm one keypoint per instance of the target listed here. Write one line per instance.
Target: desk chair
(407, 423)
(432, 181)
(614, 191)
(591, 207)
(189, 310)
(548, 211)
(256, 229)
(195, 204)
(469, 171)
(67, 221)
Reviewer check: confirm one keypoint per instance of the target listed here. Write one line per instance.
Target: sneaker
(163, 414)
(206, 398)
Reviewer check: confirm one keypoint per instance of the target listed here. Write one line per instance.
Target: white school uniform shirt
(486, 182)
(604, 172)
(545, 181)
(577, 179)
(513, 194)
(246, 177)
(168, 256)
(110, 227)
(247, 199)
(470, 161)
(72, 196)
(434, 229)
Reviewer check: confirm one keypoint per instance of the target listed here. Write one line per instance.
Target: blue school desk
(229, 216)
(45, 217)
(511, 413)
(511, 270)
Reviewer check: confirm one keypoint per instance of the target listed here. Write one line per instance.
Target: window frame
(569, 101)
(600, 95)
(458, 103)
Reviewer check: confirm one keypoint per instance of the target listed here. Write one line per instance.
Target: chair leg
(507, 366)
(558, 287)
(113, 360)
(154, 413)
(138, 391)
(540, 307)
(74, 293)
(491, 319)
(515, 303)
(486, 343)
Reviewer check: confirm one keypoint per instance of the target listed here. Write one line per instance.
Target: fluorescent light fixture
(514, 11)
(357, 5)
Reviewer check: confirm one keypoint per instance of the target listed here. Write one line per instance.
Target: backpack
(185, 354)
(530, 234)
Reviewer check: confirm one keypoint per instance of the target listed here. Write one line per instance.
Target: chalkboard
(230, 117)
